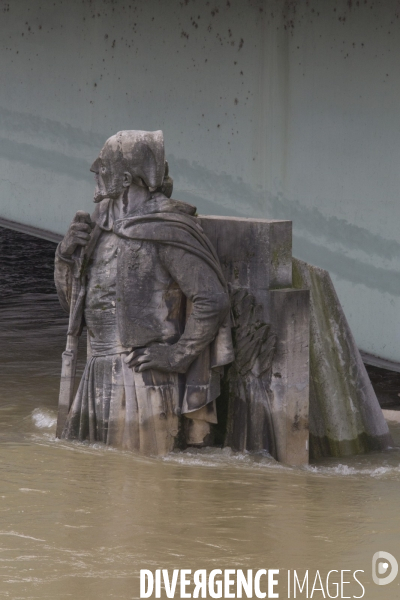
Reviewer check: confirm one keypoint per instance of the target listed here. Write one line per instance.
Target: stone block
(269, 381)
(290, 374)
(255, 254)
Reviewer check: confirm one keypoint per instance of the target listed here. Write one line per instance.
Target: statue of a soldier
(154, 302)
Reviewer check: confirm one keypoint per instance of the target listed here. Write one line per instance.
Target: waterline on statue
(211, 457)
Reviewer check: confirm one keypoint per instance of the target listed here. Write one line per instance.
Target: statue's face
(109, 180)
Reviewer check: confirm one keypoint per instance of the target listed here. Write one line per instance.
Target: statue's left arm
(210, 305)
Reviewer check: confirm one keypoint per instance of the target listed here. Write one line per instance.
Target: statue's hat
(141, 153)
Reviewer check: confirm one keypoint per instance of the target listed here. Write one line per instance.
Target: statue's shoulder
(162, 204)
(162, 220)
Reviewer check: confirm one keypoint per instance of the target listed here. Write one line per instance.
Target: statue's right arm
(78, 234)
(63, 269)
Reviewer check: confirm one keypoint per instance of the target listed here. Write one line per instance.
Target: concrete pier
(345, 416)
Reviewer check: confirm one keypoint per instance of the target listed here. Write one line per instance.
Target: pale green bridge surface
(269, 109)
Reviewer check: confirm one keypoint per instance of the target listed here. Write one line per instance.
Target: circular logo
(380, 565)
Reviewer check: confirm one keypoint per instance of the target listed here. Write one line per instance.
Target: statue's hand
(156, 357)
(78, 233)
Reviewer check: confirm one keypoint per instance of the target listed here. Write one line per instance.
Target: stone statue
(145, 280)
(169, 299)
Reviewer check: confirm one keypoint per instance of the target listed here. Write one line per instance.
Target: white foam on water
(217, 457)
(21, 535)
(388, 465)
(346, 470)
(43, 419)
(378, 466)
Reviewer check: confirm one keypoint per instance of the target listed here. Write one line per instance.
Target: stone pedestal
(268, 385)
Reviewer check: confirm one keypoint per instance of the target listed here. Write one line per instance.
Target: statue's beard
(113, 191)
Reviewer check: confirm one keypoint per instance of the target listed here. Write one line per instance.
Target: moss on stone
(345, 417)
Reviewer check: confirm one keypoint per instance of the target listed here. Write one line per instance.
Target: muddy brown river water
(79, 521)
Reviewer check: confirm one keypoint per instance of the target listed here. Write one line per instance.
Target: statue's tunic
(113, 402)
(100, 311)
(137, 285)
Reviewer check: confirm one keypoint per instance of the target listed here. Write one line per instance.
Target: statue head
(133, 156)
